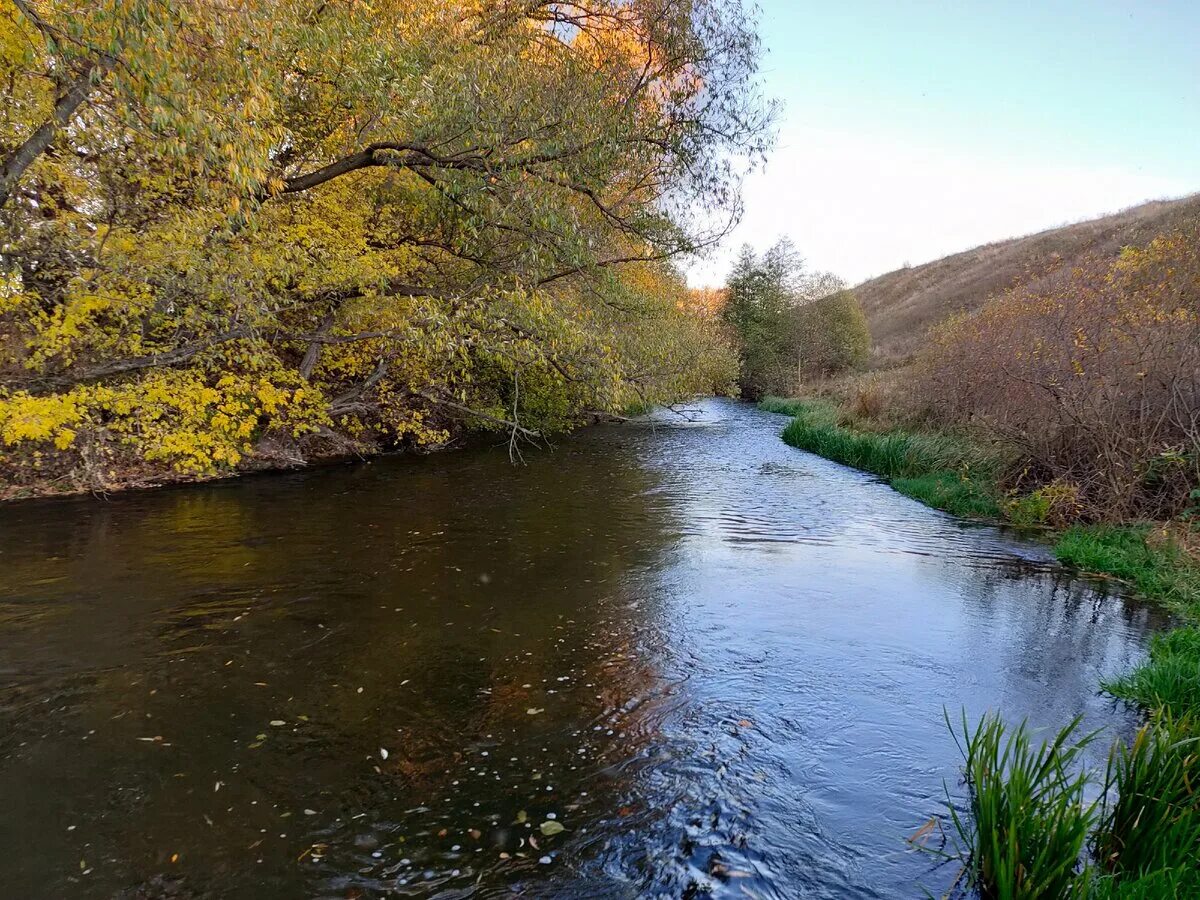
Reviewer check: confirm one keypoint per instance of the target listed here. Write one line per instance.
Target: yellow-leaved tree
(263, 230)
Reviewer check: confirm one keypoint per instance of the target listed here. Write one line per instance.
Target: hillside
(901, 306)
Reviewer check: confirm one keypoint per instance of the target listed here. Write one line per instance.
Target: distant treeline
(790, 325)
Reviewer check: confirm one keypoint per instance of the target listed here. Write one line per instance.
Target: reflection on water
(718, 663)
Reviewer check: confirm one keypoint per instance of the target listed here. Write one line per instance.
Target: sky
(911, 130)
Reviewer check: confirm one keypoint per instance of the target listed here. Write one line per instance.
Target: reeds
(1149, 830)
(1029, 822)
(1031, 833)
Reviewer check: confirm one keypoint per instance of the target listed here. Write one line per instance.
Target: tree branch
(36, 144)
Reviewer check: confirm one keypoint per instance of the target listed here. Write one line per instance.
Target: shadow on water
(719, 664)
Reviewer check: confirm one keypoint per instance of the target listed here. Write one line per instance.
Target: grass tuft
(1149, 832)
(1029, 824)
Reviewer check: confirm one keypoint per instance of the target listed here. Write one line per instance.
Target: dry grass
(902, 306)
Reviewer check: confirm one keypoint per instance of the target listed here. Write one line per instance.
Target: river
(720, 664)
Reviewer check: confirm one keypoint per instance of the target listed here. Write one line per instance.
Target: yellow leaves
(24, 417)
(178, 417)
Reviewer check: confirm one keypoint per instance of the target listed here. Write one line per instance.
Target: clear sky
(912, 128)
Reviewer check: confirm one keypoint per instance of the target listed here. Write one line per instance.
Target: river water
(719, 663)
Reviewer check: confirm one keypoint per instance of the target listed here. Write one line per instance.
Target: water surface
(718, 662)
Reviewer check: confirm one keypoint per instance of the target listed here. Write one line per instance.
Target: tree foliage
(764, 299)
(273, 226)
(832, 334)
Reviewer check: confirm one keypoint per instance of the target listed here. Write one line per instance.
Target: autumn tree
(832, 335)
(287, 226)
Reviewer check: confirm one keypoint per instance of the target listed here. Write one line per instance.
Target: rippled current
(718, 663)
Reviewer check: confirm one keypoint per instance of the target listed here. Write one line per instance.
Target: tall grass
(1030, 826)
(1150, 825)
(891, 454)
(1029, 822)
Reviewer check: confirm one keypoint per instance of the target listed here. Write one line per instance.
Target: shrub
(1056, 504)
(1093, 374)
(831, 335)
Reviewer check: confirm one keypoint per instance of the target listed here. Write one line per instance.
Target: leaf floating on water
(550, 827)
(545, 860)
(310, 812)
(277, 722)
(383, 754)
(522, 817)
(533, 711)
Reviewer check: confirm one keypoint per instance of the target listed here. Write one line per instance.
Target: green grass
(1031, 833)
(786, 407)
(1160, 572)
(1029, 824)
(1149, 829)
(1169, 680)
(950, 491)
(942, 471)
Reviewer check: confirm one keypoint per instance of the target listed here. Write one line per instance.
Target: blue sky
(914, 129)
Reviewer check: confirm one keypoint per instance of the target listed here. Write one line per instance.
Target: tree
(765, 296)
(222, 225)
(832, 335)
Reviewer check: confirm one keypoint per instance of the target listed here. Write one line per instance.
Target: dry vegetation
(902, 306)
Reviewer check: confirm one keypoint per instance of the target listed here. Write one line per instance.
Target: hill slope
(901, 306)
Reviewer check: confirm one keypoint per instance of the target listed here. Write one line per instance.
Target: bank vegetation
(267, 231)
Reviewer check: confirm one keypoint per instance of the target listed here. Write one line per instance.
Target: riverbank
(58, 474)
(960, 477)
(1144, 842)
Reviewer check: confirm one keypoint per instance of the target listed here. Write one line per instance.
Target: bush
(1093, 374)
(1056, 504)
(831, 335)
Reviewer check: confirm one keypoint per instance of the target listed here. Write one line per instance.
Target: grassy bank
(942, 471)
(1029, 834)
(958, 476)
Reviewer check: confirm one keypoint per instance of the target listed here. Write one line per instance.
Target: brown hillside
(901, 306)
